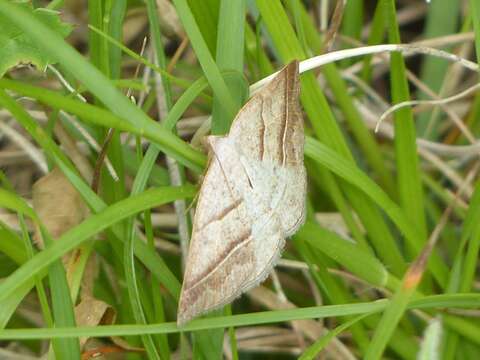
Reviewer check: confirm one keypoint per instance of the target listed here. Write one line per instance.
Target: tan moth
(252, 198)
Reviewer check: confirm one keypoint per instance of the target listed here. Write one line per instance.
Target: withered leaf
(252, 198)
(57, 203)
(92, 312)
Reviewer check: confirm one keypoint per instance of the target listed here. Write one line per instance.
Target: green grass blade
(334, 291)
(230, 54)
(408, 171)
(55, 4)
(346, 253)
(117, 15)
(352, 20)
(389, 321)
(464, 264)
(133, 292)
(212, 73)
(154, 23)
(475, 9)
(158, 175)
(467, 329)
(10, 304)
(441, 20)
(471, 238)
(63, 313)
(206, 14)
(11, 245)
(324, 179)
(345, 101)
(10, 200)
(466, 258)
(94, 40)
(314, 350)
(256, 55)
(42, 295)
(366, 141)
(262, 317)
(377, 32)
(176, 80)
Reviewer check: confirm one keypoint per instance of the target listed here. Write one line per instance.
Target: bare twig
(178, 54)
(111, 132)
(443, 101)
(283, 298)
(334, 26)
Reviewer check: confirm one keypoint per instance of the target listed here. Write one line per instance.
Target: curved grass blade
(348, 254)
(210, 69)
(314, 349)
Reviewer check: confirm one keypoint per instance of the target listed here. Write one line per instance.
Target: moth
(251, 199)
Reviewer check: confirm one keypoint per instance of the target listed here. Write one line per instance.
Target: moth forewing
(251, 199)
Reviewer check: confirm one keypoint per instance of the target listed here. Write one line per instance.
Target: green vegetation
(112, 98)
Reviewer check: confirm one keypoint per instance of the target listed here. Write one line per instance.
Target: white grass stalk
(318, 61)
(430, 346)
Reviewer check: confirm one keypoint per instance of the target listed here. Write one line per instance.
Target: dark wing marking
(265, 125)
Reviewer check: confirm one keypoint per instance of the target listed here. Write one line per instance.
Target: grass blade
(212, 73)
(409, 181)
(262, 317)
(314, 350)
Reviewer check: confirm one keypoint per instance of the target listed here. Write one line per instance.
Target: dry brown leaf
(120, 342)
(58, 204)
(252, 198)
(92, 312)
